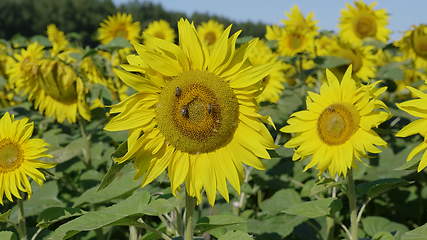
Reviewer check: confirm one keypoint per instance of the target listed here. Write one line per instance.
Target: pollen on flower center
(295, 41)
(336, 124)
(366, 26)
(197, 112)
(10, 155)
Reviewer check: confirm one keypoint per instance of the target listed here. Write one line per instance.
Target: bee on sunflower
(361, 22)
(194, 113)
(19, 157)
(336, 129)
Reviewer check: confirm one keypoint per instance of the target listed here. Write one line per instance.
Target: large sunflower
(297, 35)
(119, 25)
(273, 84)
(337, 126)
(195, 113)
(418, 108)
(210, 31)
(18, 157)
(160, 29)
(361, 21)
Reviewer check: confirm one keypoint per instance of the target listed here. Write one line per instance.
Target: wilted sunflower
(18, 157)
(337, 126)
(297, 35)
(418, 108)
(361, 57)
(119, 25)
(210, 31)
(160, 29)
(362, 21)
(57, 38)
(273, 84)
(414, 45)
(195, 113)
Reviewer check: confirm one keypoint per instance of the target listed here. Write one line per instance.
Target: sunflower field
(197, 132)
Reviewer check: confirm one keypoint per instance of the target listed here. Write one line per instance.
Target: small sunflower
(119, 25)
(210, 31)
(414, 45)
(160, 29)
(194, 113)
(361, 57)
(57, 38)
(418, 108)
(272, 84)
(337, 126)
(361, 21)
(19, 157)
(297, 35)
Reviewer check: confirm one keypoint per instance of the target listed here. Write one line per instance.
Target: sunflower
(337, 126)
(361, 57)
(54, 86)
(119, 25)
(272, 83)
(361, 21)
(297, 35)
(418, 108)
(194, 113)
(57, 38)
(414, 45)
(18, 157)
(210, 31)
(160, 29)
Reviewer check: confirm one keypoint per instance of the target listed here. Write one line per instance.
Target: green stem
(190, 204)
(147, 227)
(22, 226)
(133, 233)
(86, 149)
(351, 194)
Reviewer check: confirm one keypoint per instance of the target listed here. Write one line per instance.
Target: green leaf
(44, 196)
(331, 61)
(210, 223)
(311, 209)
(56, 214)
(135, 205)
(373, 225)
(162, 204)
(392, 71)
(235, 235)
(72, 150)
(124, 184)
(6, 235)
(282, 225)
(383, 236)
(378, 187)
(275, 204)
(418, 233)
(112, 173)
(4, 217)
(116, 43)
(42, 40)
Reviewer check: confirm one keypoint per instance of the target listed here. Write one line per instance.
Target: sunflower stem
(351, 194)
(86, 149)
(190, 204)
(22, 225)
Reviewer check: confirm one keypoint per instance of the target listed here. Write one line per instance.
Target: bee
(178, 92)
(184, 112)
(210, 108)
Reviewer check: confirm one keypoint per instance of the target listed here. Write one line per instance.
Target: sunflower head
(194, 112)
(414, 45)
(297, 22)
(361, 21)
(119, 25)
(160, 29)
(337, 126)
(19, 156)
(210, 31)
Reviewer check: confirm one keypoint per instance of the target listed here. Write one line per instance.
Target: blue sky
(403, 14)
